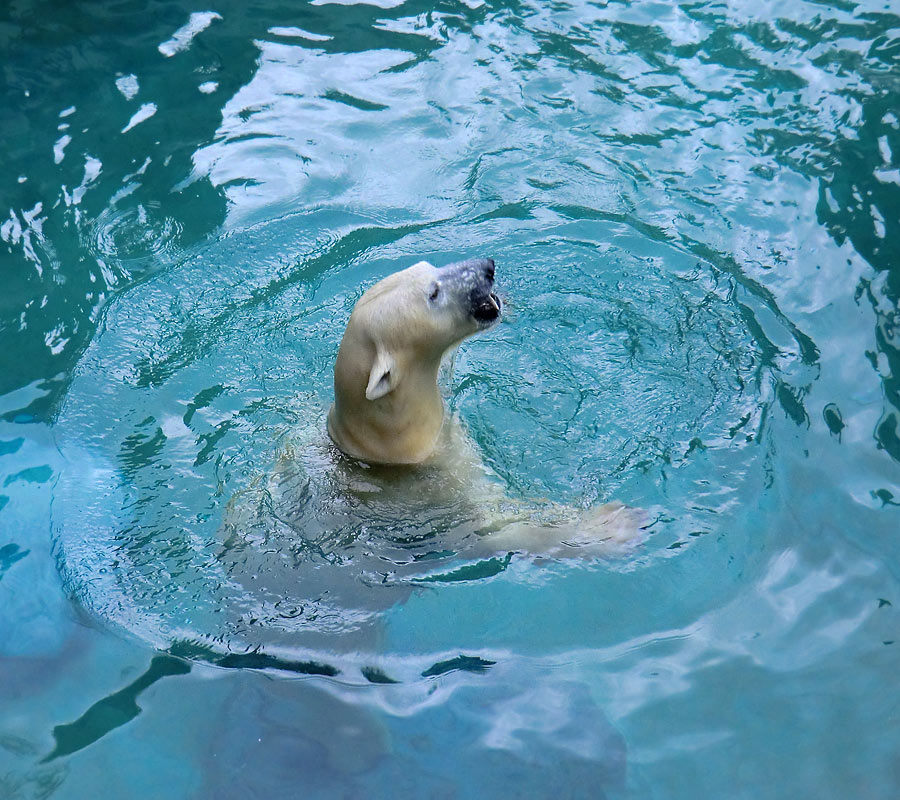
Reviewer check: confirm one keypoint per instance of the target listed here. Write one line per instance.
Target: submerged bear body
(400, 494)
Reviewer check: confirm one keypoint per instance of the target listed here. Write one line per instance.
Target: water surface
(695, 212)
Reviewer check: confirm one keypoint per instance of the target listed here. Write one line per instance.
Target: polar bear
(388, 409)
(395, 497)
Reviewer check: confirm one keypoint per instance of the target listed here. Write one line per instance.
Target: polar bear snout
(473, 281)
(486, 310)
(485, 306)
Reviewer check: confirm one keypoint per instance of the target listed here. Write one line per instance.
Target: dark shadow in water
(464, 663)
(113, 711)
(252, 660)
(10, 553)
(375, 675)
(257, 659)
(475, 571)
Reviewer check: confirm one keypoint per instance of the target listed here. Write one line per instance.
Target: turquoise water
(695, 213)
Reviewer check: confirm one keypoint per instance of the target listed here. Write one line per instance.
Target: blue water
(695, 213)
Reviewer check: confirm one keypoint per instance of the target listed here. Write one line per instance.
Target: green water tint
(694, 210)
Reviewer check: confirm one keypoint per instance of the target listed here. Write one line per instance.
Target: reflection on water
(694, 208)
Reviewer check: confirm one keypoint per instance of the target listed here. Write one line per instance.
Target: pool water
(695, 213)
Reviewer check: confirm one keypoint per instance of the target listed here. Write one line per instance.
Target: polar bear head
(387, 407)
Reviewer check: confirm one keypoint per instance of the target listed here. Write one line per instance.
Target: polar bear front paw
(607, 531)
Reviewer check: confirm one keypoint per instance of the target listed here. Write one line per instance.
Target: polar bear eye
(434, 292)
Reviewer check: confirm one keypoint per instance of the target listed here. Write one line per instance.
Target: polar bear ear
(383, 377)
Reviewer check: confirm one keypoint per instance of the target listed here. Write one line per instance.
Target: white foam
(128, 85)
(60, 147)
(300, 34)
(888, 175)
(181, 40)
(385, 4)
(144, 112)
(878, 222)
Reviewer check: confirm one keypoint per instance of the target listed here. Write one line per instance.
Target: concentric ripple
(133, 233)
(215, 513)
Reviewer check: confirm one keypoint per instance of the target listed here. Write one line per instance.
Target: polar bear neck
(403, 426)
(387, 406)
